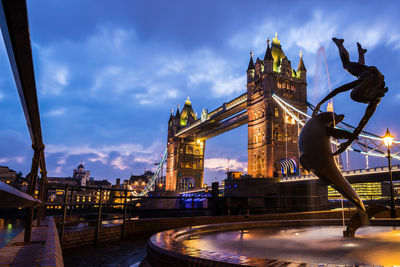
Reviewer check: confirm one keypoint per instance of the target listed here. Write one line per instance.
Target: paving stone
(119, 253)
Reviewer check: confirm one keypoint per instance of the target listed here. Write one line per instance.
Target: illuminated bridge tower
(272, 134)
(185, 161)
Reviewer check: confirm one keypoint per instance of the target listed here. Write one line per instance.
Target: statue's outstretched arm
(367, 115)
(339, 133)
(336, 91)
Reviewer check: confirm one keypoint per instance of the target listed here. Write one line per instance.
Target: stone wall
(86, 237)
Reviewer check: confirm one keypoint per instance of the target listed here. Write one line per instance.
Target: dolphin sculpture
(316, 155)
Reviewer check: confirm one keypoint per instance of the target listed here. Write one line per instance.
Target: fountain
(306, 241)
(274, 243)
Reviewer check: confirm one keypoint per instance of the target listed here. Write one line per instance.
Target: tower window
(189, 150)
(276, 113)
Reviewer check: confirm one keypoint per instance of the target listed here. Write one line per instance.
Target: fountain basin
(274, 243)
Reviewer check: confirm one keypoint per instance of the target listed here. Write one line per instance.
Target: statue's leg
(361, 52)
(344, 55)
(354, 68)
(336, 91)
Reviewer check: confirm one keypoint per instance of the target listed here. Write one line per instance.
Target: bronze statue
(316, 154)
(368, 88)
(314, 140)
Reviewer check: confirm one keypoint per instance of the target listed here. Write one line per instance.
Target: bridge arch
(186, 183)
(288, 166)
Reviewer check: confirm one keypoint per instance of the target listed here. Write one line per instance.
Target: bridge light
(199, 142)
(388, 138)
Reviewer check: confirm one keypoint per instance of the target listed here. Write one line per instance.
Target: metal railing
(15, 30)
(116, 206)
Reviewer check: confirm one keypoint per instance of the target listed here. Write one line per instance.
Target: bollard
(64, 217)
(192, 206)
(71, 201)
(98, 227)
(228, 205)
(247, 208)
(214, 194)
(125, 214)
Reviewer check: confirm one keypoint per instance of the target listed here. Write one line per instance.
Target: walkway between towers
(216, 122)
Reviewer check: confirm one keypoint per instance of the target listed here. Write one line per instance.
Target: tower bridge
(274, 108)
(272, 134)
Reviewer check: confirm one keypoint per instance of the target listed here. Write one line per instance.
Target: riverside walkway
(121, 253)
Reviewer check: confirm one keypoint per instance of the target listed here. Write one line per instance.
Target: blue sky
(109, 72)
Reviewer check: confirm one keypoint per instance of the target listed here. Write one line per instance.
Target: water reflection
(9, 228)
(372, 245)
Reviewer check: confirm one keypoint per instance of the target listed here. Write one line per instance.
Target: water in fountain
(318, 244)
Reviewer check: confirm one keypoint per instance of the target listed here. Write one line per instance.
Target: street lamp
(388, 139)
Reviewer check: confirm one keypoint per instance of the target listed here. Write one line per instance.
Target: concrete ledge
(52, 253)
(44, 250)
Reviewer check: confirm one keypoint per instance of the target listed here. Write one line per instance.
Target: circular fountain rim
(165, 247)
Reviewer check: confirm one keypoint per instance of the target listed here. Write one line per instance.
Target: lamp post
(388, 139)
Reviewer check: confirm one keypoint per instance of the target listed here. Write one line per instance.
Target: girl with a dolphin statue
(314, 140)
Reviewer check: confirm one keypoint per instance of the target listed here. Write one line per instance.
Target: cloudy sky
(109, 72)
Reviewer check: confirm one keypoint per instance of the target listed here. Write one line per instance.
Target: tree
(19, 175)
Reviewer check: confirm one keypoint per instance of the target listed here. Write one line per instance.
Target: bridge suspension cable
(157, 174)
(369, 144)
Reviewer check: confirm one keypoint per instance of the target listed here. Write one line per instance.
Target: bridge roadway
(378, 174)
(219, 120)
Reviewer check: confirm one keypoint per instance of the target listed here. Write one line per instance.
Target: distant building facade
(234, 175)
(139, 182)
(7, 175)
(81, 175)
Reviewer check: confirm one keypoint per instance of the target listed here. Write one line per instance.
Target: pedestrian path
(119, 253)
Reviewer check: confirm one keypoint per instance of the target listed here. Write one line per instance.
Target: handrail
(15, 30)
(12, 198)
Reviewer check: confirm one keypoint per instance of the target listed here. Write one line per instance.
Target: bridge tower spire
(268, 60)
(301, 69)
(250, 69)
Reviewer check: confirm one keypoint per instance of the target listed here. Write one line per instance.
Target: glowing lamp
(388, 138)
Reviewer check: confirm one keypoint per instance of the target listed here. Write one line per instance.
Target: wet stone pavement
(119, 253)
